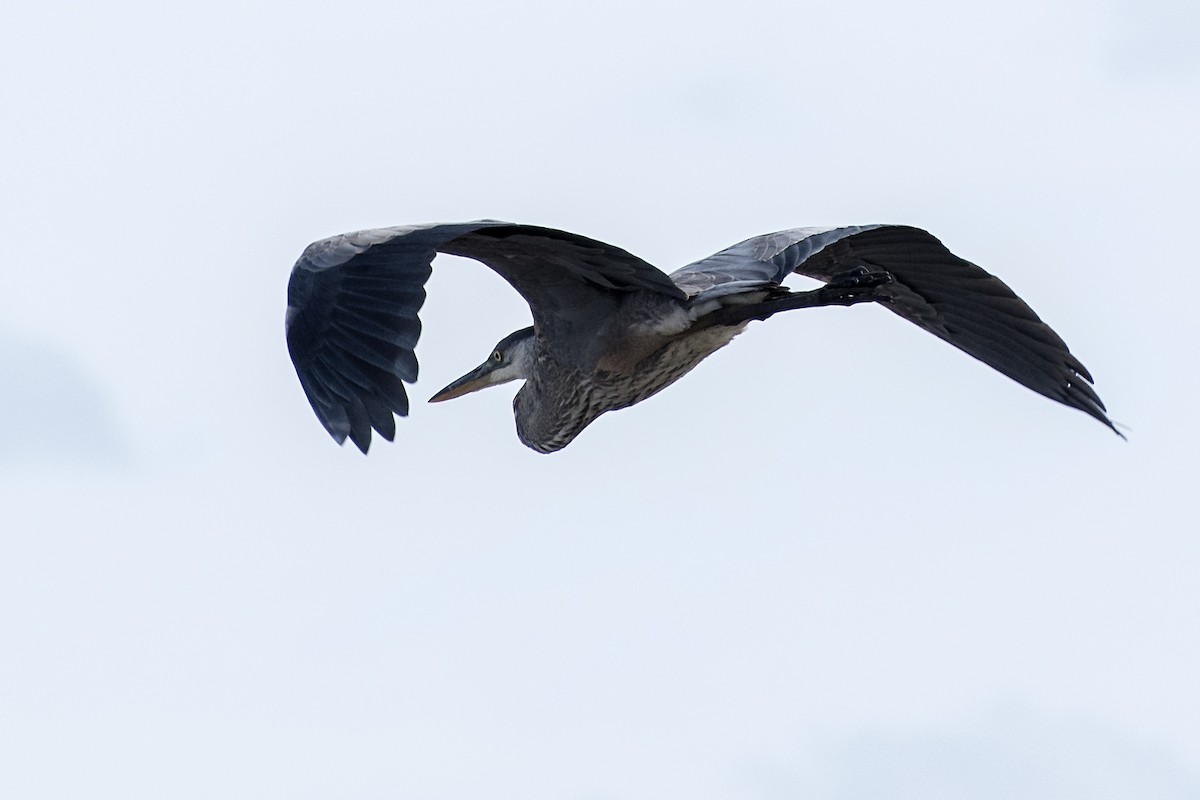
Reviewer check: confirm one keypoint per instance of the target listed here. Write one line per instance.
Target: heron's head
(510, 360)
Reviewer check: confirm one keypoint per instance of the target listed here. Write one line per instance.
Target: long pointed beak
(473, 381)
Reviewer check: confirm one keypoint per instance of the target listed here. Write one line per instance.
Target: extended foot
(860, 278)
(858, 285)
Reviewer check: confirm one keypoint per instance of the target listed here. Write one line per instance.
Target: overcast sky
(841, 560)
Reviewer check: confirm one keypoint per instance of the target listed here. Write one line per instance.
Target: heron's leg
(858, 285)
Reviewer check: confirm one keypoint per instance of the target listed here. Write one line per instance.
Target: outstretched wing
(353, 303)
(949, 297)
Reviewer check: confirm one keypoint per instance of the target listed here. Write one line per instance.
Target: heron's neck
(523, 357)
(553, 406)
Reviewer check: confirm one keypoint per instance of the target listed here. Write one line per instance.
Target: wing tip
(362, 440)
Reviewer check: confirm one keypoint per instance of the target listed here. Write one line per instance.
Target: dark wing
(944, 294)
(566, 279)
(353, 303)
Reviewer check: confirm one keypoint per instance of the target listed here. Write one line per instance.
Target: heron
(610, 330)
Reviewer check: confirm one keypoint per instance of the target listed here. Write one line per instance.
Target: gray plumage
(609, 329)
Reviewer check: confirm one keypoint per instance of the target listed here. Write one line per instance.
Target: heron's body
(548, 417)
(610, 330)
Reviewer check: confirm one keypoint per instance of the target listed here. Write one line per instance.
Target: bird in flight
(610, 330)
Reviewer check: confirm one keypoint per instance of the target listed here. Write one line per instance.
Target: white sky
(840, 560)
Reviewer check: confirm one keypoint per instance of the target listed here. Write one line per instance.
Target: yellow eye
(498, 356)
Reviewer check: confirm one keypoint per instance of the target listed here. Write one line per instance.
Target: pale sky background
(839, 561)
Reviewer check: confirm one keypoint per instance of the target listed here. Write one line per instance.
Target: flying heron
(610, 330)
